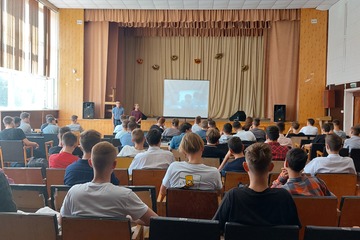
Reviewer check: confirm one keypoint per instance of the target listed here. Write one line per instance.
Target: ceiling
(194, 4)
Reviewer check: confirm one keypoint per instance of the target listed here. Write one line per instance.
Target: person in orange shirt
(65, 157)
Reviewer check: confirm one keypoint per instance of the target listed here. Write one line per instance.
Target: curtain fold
(34, 36)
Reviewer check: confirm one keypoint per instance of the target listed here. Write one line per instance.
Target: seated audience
(333, 163)
(101, 198)
(136, 113)
(119, 127)
(51, 128)
(56, 149)
(192, 174)
(17, 122)
(137, 137)
(46, 123)
(236, 150)
(278, 151)
(7, 203)
(173, 130)
(337, 129)
(175, 141)
(226, 133)
(65, 157)
(81, 171)
(354, 140)
(204, 128)
(248, 123)
(212, 124)
(160, 125)
(260, 134)
(75, 126)
(124, 130)
(325, 130)
(258, 205)
(126, 138)
(331, 124)
(25, 122)
(284, 141)
(196, 127)
(211, 149)
(294, 181)
(154, 157)
(242, 134)
(309, 129)
(294, 130)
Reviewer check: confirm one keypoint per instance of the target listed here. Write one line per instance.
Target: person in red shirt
(278, 151)
(65, 157)
(137, 113)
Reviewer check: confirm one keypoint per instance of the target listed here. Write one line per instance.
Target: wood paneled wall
(104, 126)
(312, 64)
(71, 64)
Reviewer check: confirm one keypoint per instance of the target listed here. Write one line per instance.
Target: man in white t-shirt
(154, 157)
(137, 136)
(309, 129)
(101, 198)
(242, 134)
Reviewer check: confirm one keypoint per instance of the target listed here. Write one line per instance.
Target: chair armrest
(138, 233)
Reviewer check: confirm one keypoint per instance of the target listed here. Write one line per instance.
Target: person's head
(62, 131)
(336, 123)
(198, 120)
(17, 121)
(74, 118)
(25, 117)
(69, 140)
(103, 158)
(8, 121)
(326, 128)
(281, 126)
(236, 125)
(256, 122)
(132, 126)
(212, 136)
(132, 119)
(249, 120)
(204, 124)
(118, 103)
(125, 124)
(123, 117)
(235, 145)
(211, 123)
(333, 142)
(296, 159)
(272, 133)
(153, 137)
(331, 127)
(50, 120)
(47, 116)
(191, 143)
(137, 136)
(227, 128)
(295, 125)
(258, 158)
(355, 130)
(310, 122)
(88, 139)
(185, 127)
(136, 106)
(161, 121)
(175, 122)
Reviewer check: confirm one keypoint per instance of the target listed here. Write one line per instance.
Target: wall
(312, 64)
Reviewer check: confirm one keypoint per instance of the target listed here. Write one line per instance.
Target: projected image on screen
(186, 98)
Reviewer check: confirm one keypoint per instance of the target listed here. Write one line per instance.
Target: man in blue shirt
(175, 141)
(117, 111)
(126, 139)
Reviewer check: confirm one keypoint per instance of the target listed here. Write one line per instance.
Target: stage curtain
(95, 64)
(282, 61)
(231, 89)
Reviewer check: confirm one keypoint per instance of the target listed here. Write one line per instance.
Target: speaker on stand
(279, 113)
(88, 110)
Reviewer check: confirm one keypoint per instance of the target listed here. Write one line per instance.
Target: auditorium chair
(178, 155)
(29, 197)
(54, 176)
(48, 145)
(25, 175)
(278, 164)
(331, 233)
(315, 147)
(147, 194)
(165, 228)
(123, 162)
(273, 177)
(355, 155)
(247, 143)
(350, 211)
(235, 231)
(122, 175)
(58, 193)
(14, 151)
(296, 141)
(211, 162)
(150, 177)
(233, 179)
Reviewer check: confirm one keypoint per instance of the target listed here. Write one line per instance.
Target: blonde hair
(103, 155)
(191, 143)
(137, 135)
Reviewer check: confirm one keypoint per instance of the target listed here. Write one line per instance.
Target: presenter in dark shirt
(137, 113)
(117, 111)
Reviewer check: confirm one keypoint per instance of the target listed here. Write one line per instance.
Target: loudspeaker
(238, 116)
(279, 113)
(88, 110)
(329, 99)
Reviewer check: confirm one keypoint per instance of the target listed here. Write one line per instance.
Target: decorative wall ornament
(139, 61)
(197, 60)
(244, 68)
(174, 57)
(155, 67)
(219, 56)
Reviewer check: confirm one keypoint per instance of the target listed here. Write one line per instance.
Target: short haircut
(281, 126)
(236, 124)
(227, 128)
(326, 127)
(161, 120)
(50, 119)
(356, 130)
(236, 145)
(311, 121)
(132, 126)
(212, 135)
(331, 124)
(125, 123)
(137, 135)
(198, 119)
(103, 155)
(7, 120)
(191, 143)
(175, 122)
(48, 115)
(123, 117)
(24, 115)
(204, 124)
(336, 122)
(272, 133)
(296, 159)
(132, 119)
(334, 142)
(295, 125)
(64, 130)
(17, 120)
(258, 157)
(88, 139)
(153, 137)
(249, 120)
(212, 123)
(184, 127)
(256, 122)
(74, 118)
(69, 139)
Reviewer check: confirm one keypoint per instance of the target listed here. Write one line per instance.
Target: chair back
(191, 203)
(350, 211)
(147, 194)
(25, 175)
(115, 142)
(233, 231)
(58, 193)
(122, 175)
(16, 226)
(51, 137)
(48, 145)
(211, 162)
(355, 155)
(247, 143)
(54, 176)
(331, 233)
(273, 177)
(277, 166)
(233, 179)
(123, 162)
(29, 197)
(94, 228)
(178, 155)
(149, 177)
(12, 151)
(304, 141)
(296, 140)
(315, 147)
(164, 228)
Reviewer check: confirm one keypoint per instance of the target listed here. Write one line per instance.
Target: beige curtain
(281, 77)
(231, 89)
(95, 64)
(34, 36)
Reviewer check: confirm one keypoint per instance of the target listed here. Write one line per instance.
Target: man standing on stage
(117, 111)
